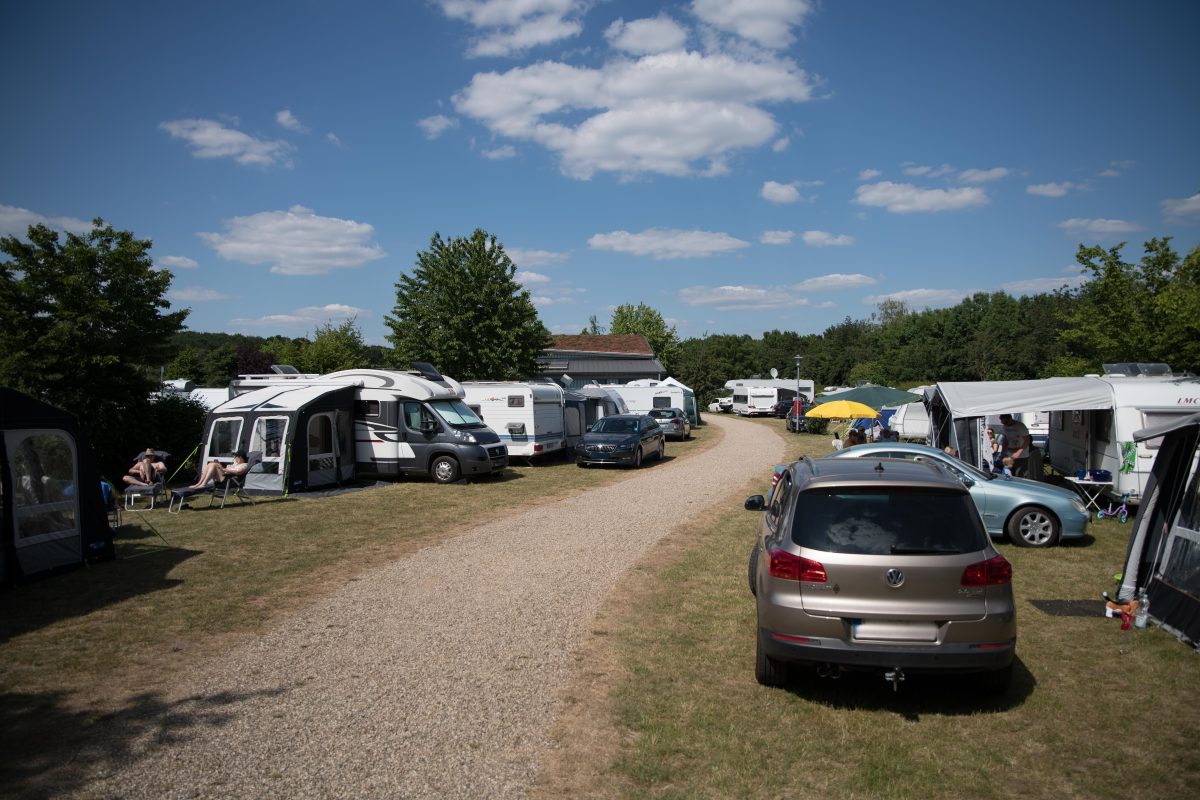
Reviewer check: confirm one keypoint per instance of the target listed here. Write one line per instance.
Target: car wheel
(637, 458)
(1033, 526)
(767, 671)
(662, 448)
(996, 681)
(444, 469)
(752, 570)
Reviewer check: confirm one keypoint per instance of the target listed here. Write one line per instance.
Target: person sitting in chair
(145, 470)
(216, 471)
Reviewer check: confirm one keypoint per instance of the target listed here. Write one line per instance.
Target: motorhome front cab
(529, 418)
(1102, 438)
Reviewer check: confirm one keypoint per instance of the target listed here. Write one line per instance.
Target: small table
(1091, 490)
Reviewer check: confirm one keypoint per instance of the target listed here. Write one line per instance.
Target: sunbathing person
(145, 470)
(216, 471)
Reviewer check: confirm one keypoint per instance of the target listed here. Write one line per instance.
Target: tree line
(86, 325)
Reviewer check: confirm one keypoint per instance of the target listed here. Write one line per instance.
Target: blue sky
(739, 165)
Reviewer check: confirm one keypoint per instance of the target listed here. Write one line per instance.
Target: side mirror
(967, 481)
(428, 425)
(755, 502)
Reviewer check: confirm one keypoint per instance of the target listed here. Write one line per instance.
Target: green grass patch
(1081, 721)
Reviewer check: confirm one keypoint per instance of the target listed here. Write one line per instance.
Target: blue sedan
(1032, 514)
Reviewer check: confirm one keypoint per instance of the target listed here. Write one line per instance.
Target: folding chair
(132, 493)
(232, 485)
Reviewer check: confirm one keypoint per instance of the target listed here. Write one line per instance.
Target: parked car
(781, 409)
(621, 439)
(1031, 513)
(674, 422)
(880, 565)
(725, 404)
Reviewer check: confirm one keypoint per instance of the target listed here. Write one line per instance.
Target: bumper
(483, 460)
(618, 457)
(1074, 524)
(944, 657)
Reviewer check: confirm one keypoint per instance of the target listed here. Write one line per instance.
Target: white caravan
(407, 422)
(756, 396)
(641, 399)
(530, 418)
(911, 422)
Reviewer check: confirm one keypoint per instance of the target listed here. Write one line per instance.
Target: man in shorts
(1016, 444)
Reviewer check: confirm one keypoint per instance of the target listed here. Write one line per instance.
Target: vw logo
(894, 578)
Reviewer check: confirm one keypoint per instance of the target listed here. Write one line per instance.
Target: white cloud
(904, 198)
(15, 221)
(983, 175)
(781, 144)
(777, 237)
(665, 244)
(309, 316)
(823, 239)
(534, 258)
(500, 153)
(296, 242)
(921, 298)
(780, 192)
(1041, 285)
(435, 126)
(513, 26)
(210, 139)
(526, 278)
(543, 300)
(740, 298)
(1116, 168)
(675, 113)
(333, 139)
(1182, 208)
(196, 294)
(765, 22)
(644, 36)
(176, 262)
(287, 119)
(1099, 227)
(834, 282)
(931, 172)
(1050, 189)
(868, 174)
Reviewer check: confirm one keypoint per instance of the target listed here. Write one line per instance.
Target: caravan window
(1152, 419)
(43, 476)
(662, 402)
(364, 409)
(516, 401)
(270, 434)
(224, 437)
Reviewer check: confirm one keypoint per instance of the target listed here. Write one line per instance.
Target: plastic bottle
(1143, 610)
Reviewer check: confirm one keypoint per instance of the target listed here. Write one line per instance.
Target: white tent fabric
(984, 398)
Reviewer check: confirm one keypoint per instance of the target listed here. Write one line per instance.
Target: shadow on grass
(141, 568)
(48, 748)
(920, 694)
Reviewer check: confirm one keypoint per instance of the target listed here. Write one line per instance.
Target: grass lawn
(689, 720)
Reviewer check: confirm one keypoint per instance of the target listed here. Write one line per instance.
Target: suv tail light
(796, 568)
(996, 571)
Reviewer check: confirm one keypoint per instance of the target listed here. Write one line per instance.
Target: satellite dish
(774, 372)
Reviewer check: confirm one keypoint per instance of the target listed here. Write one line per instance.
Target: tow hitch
(894, 677)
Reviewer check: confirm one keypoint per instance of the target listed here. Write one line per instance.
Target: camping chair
(132, 493)
(232, 485)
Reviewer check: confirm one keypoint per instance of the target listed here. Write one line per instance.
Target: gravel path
(435, 676)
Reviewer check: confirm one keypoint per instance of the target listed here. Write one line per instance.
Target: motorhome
(407, 423)
(757, 396)
(644, 396)
(529, 418)
(689, 397)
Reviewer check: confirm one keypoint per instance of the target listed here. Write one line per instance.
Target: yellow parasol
(842, 409)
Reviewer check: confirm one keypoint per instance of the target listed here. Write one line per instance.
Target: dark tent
(53, 509)
(1164, 548)
(874, 396)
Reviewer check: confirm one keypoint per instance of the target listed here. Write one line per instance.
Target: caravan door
(46, 524)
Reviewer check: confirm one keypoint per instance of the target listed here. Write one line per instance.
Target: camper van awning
(984, 398)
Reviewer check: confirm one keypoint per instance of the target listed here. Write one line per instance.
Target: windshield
(662, 413)
(456, 413)
(897, 522)
(615, 425)
(963, 468)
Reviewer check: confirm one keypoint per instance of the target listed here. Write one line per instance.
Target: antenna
(774, 372)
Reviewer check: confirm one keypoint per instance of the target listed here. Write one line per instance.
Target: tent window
(1189, 512)
(320, 443)
(224, 438)
(44, 469)
(270, 433)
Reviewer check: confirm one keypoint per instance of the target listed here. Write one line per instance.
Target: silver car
(878, 565)
(674, 422)
(1032, 514)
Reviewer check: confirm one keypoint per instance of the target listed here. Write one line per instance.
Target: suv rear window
(896, 522)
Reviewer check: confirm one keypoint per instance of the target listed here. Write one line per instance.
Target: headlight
(626, 445)
(464, 436)
(1080, 507)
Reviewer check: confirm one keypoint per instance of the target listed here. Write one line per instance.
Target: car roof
(859, 472)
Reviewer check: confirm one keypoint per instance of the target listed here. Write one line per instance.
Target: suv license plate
(875, 630)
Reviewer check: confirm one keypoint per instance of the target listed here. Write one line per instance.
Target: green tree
(462, 310)
(84, 325)
(335, 347)
(642, 319)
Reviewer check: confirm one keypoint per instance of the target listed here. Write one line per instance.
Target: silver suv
(881, 565)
